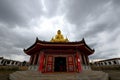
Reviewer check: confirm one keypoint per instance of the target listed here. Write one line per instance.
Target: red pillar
(30, 61)
(78, 63)
(41, 61)
(34, 59)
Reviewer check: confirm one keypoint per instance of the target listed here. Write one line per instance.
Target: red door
(49, 67)
(70, 64)
(41, 63)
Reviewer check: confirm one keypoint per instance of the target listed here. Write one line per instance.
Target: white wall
(119, 62)
(109, 63)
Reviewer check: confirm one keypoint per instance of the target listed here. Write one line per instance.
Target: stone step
(34, 75)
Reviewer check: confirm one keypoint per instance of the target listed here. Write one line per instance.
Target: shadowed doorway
(60, 64)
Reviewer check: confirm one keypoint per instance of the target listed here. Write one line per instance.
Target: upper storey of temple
(59, 38)
(59, 43)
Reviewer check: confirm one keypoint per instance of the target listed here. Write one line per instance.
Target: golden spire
(59, 38)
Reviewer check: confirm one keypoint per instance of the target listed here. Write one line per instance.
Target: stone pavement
(113, 74)
(35, 75)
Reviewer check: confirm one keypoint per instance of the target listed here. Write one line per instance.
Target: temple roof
(58, 45)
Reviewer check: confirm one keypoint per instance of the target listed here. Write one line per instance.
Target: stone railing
(85, 67)
(33, 67)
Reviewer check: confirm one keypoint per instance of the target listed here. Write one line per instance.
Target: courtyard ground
(4, 75)
(114, 74)
(6, 70)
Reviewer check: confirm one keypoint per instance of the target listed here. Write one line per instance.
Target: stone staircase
(35, 75)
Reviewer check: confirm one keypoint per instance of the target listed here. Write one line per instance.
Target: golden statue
(59, 38)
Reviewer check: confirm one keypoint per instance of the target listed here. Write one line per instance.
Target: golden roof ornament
(59, 37)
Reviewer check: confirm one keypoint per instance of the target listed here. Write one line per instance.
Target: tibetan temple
(59, 55)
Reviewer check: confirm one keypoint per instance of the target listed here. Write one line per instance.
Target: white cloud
(20, 57)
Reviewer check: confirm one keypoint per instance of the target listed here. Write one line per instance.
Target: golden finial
(52, 39)
(67, 39)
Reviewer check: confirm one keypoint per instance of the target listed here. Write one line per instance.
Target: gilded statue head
(58, 32)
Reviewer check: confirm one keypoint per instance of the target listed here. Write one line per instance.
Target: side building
(107, 62)
(8, 62)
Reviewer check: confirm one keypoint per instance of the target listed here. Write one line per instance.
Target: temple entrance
(60, 64)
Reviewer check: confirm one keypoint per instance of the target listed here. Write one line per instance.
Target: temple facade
(59, 55)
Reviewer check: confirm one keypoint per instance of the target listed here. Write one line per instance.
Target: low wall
(13, 68)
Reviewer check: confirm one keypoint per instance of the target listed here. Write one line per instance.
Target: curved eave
(39, 46)
(91, 51)
(87, 47)
(50, 43)
(58, 45)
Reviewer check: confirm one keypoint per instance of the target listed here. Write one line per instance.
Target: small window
(114, 62)
(101, 63)
(16, 63)
(8, 62)
(2, 61)
(12, 62)
(105, 63)
(109, 63)
(98, 63)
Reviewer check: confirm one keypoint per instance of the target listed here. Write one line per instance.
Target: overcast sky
(21, 21)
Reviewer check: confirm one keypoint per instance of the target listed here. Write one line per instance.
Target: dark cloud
(13, 43)
(96, 20)
(51, 7)
(19, 12)
(116, 3)
(106, 54)
(77, 11)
